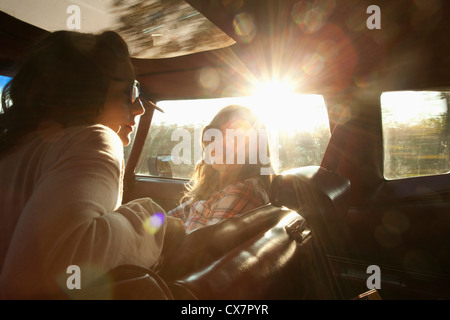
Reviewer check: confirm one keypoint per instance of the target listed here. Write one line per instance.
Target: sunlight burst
(281, 108)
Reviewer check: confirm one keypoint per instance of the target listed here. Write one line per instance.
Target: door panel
(164, 191)
(395, 282)
(402, 225)
(406, 232)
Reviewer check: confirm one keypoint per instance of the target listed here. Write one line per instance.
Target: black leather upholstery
(204, 246)
(268, 253)
(271, 265)
(320, 196)
(311, 190)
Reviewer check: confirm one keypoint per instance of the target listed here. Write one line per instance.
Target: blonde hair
(205, 180)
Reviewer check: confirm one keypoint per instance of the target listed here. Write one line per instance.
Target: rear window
(415, 133)
(297, 126)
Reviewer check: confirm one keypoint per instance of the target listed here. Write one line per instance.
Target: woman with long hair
(235, 173)
(67, 113)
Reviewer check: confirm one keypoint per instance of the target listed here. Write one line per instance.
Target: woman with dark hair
(67, 114)
(235, 173)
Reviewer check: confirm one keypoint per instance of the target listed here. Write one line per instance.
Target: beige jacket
(60, 205)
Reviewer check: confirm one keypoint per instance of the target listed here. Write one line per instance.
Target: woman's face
(119, 113)
(232, 147)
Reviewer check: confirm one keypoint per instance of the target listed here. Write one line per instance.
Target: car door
(398, 221)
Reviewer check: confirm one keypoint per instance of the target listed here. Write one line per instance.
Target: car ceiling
(152, 28)
(317, 46)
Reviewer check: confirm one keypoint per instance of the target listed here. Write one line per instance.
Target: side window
(298, 133)
(177, 129)
(416, 134)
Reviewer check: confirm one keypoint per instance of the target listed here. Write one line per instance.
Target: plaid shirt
(235, 199)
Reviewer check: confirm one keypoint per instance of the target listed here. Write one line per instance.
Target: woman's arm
(74, 217)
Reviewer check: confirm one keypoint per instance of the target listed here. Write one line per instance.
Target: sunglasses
(134, 90)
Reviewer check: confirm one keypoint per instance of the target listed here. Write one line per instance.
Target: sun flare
(275, 103)
(281, 108)
(273, 89)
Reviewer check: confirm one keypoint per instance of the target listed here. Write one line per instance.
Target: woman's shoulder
(90, 138)
(96, 131)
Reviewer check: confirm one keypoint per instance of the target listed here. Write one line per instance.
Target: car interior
(376, 195)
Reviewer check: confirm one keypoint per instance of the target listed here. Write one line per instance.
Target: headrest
(311, 190)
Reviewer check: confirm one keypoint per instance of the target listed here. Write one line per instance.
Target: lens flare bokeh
(154, 223)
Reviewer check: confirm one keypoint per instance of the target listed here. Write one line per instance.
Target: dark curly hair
(64, 79)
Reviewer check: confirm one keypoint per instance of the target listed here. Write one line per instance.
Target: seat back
(320, 196)
(203, 246)
(275, 264)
